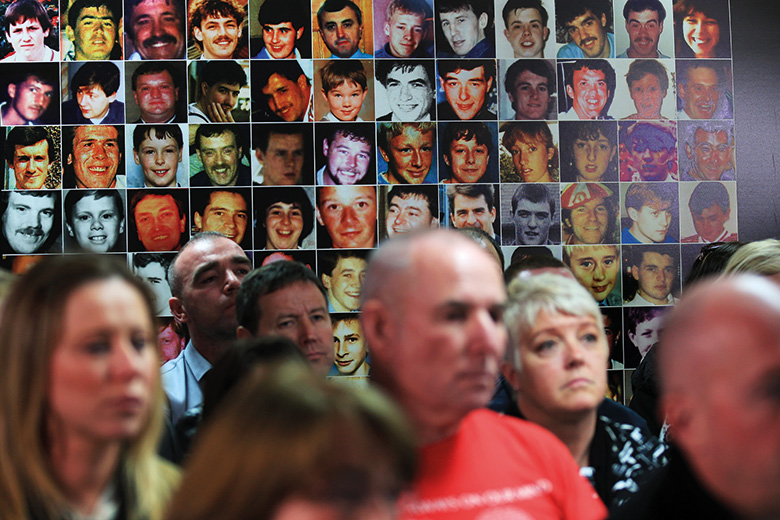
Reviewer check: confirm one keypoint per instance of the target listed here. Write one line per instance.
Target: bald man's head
(719, 360)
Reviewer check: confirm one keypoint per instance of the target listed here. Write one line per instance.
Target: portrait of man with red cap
(589, 213)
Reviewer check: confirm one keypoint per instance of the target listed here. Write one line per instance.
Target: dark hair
(141, 260)
(289, 69)
(535, 193)
(337, 72)
(635, 254)
(603, 66)
(477, 6)
(73, 196)
(202, 9)
(716, 9)
(514, 5)
(161, 132)
(571, 131)
(427, 192)
(705, 194)
(711, 261)
(76, 7)
(536, 260)
(22, 10)
(96, 73)
(213, 72)
(637, 315)
(331, 258)
(450, 66)
(472, 191)
(638, 6)
(266, 280)
(644, 134)
(539, 67)
(26, 136)
(280, 11)
(353, 132)
(640, 68)
(568, 10)
(155, 67)
(261, 134)
(142, 194)
(463, 130)
(385, 67)
(264, 198)
(334, 6)
(215, 130)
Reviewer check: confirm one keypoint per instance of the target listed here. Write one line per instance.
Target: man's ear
(69, 34)
(633, 214)
(177, 310)
(198, 221)
(688, 150)
(11, 90)
(634, 272)
(511, 374)
(326, 281)
(570, 91)
(319, 217)
(196, 32)
(243, 332)
(376, 324)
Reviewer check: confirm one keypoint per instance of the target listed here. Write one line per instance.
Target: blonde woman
(80, 396)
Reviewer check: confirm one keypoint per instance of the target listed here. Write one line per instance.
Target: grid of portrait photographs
(599, 132)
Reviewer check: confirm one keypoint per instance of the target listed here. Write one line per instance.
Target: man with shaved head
(719, 362)
(432, 311)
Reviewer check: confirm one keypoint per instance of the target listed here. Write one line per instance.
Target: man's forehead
(226, 138)
(701, 135)
(91, 133)
(466, 142)
(160, 75)
(101, 11)
(349, 263)
(581, 18)
(157, 201)
(23, 21)
(527, 204)
(410, 199)
(218, 17)
(408, 73)
(345, 14)
(28, 198)
(475, 202)
(531, 14)
(38, 82)
(145, 8)
(224, 198)
(593, 253)
(279, 25)
(401, 12)
(43, 143)
(528, 77)
(655, 257)
(591, 73)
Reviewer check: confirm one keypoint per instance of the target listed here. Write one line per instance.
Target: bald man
(719, 361)
(432, 312)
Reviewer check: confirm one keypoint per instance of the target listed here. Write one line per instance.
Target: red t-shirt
(499, 468)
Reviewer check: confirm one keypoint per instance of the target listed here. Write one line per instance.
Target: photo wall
(599, 133)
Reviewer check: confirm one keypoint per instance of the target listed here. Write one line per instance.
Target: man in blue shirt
(341, 28)
(585, 22)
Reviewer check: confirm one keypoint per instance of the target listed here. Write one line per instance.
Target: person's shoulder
(483, 49)
(622, 414)
(386, 117)
(200, 179)
(690, 240)
(570, 50)
(383, 52)
(627, 238)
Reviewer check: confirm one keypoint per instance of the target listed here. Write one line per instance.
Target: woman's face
(104, 368)
(283, 226)
(592, 157)
(701, 33)
(96, 224)
(564, 360)
(532, 160)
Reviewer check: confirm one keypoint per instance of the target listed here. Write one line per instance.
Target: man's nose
(348, 215)
(96, 224)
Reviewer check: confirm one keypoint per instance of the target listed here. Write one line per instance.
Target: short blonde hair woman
(81, 406)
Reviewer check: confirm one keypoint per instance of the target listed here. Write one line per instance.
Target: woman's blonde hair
(30, 328)
(285, 433)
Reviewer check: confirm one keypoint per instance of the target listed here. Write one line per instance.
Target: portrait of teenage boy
(464, 29)
(407, 89)
(528, 90)
(282, 31)
(529, 213)
(585, 27)
(649, 151)
(525, 28)
(216, 29)
(29, 32)
(407, 152)
(92, 28)
(651, 213)
(408, 208)
(406, 30)
(93, 94)
(30, 94)
(341, 25)
(710, 212)
(156, 29)
(468, 152)
(652, 276)
(157, 92)
(468, 90)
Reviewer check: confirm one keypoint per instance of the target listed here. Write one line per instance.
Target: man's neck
(634, 230)
(210, 348)
(607, 50)
(165, 118)
(631, 53)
